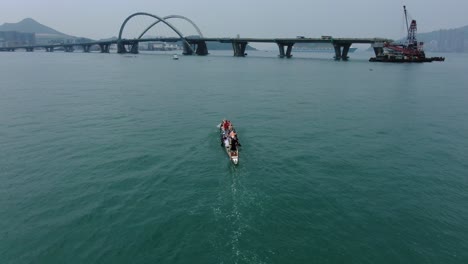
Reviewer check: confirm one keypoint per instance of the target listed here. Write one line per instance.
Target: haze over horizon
(360, 18)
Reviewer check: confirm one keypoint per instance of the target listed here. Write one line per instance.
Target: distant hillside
(47, 35)
(43, 34)
(30, 25)
(446, 40)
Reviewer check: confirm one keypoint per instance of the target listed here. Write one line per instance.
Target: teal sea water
(116, 159)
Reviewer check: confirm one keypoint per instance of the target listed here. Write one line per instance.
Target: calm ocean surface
(115, 159)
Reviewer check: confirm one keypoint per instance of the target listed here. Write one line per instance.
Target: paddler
(226, 124)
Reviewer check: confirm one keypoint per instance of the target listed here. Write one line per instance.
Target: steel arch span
(159, 19)
(200, 34)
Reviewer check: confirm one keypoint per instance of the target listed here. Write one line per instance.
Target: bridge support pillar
(150, 46)
(49, 49)
(239, 48)
(378, 51)
(281, 50)
(104, 48)
(120, 48)
(341, 50)
(188, 50)
(29, 49)
(378, 48)
(289, 50)
(199, 47)
(86, 48)
(202, 49)
(281, 47)
(337, 48)
(134, 48)
(344, 53)
(68, 48)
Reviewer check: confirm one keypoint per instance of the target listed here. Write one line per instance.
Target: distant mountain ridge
(446, 40)
(45, 34)
(29, 25)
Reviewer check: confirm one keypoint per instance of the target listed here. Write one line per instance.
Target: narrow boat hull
(402, 60)
(232, 154)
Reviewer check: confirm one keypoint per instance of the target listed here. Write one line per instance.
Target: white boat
(228, 145)
(175, 57)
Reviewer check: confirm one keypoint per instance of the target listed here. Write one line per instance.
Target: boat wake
(234, 215)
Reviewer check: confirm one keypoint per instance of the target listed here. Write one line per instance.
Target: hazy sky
(249, 18)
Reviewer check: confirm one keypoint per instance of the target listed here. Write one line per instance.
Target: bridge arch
(159, 19)
(172, 16)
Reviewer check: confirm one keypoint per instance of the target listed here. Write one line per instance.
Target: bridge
(197, 45)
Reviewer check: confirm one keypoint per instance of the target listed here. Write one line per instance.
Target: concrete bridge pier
(29, 49)
(49, 49)
(286, 54)
(378, 51)
(199, 47)
(150, 46)
(341, 51)
(86, 48)
(68, 48)
(202, 49)
(120, 48)
(378, 48)
(188, 50)
(104, 47)
(239, 48)
(134, 48)
(337, 48)
(344, 53)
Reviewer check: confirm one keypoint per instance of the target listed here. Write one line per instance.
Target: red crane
(411, 48)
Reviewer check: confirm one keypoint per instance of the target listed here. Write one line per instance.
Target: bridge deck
(222, 40)
(298, 40)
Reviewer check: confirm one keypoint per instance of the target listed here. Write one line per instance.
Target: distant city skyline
(359, 18)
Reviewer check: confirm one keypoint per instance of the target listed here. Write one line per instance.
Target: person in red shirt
(226, 124)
